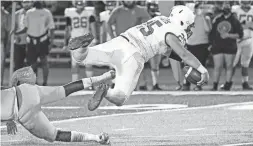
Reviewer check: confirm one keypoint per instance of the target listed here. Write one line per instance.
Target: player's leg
(43, 54)
(32, 56)
(218, 60)
(126, 80)
(127, 75)
(74, 70)
(49, 94)
(247, 52)
(229, 58)
(39, 125)
(154, 65)
(2, 60)
(177, 72)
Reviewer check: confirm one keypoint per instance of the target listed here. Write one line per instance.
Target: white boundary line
(176, 93)
(147, 112)
(239, 144)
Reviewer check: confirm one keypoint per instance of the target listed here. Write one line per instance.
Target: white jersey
(79, 22)
(149, 37)
(244, 16)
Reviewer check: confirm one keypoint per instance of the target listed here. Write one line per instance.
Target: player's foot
(156, 87)
(104, 139)
(44, 84)
(246, 86)
(179, 87)
(81, 41)
(143, 88)
(197, 88)
(186, 87)
(227, 86)
(96, 99)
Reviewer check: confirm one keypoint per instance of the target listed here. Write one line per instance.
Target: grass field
(166, 118)
(154, 118)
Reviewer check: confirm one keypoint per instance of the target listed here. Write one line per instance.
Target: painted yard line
(61, 107)
(241, 107)
(176, 93)
(183, 135)
(194, 129)
(147, 112)
(123, 129)
(239, 144)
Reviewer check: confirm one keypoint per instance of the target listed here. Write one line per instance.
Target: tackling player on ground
(22, 103)
(79, 22)
(244, 53)
(128, 52)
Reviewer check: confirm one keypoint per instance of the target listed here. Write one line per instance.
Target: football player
(22, 103)
(244, 53)
(79, 22)
(128, 52)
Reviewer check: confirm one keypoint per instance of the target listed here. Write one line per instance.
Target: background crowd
(37, 35)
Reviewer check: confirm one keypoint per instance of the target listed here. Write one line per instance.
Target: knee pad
(120, 97)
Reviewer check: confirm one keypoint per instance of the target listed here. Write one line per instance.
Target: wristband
(202, 69)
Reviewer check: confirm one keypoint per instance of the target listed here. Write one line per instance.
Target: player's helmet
(245, 4)
(153, 8)
(183, 17)
(79, 4)
(110, 5)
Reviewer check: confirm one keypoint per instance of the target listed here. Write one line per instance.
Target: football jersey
(149, 37)
(244, 17)
(79, 22)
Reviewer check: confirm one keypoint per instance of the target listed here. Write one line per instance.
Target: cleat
(104, 139)
(81, 41)
(227, 86)
(186, 87)
(157, 88)
(98, 96)
(143, 88)
(246, 86)
(197, 88)
(179, 87)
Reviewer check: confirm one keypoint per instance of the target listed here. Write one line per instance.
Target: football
(191, 75)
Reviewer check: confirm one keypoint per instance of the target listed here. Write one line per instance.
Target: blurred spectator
(20, 40)
(39, 26)
(104, 17)
(225, 30)
(79, 21)
(198, 43)
(129, 11)
(5, 31)
(244, 53)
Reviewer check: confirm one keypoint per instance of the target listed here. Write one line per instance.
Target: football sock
(89, 73)
(154, 74)
(74, 77)
(73, 136)
(245, 74)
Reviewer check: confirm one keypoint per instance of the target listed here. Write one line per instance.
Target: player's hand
(11, 127)
(224, 35)
(204, 79)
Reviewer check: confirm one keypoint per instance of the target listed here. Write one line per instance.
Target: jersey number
(150, 25)
(248, 17)
(80, 22)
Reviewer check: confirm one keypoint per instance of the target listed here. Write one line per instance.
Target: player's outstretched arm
(187, 57)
